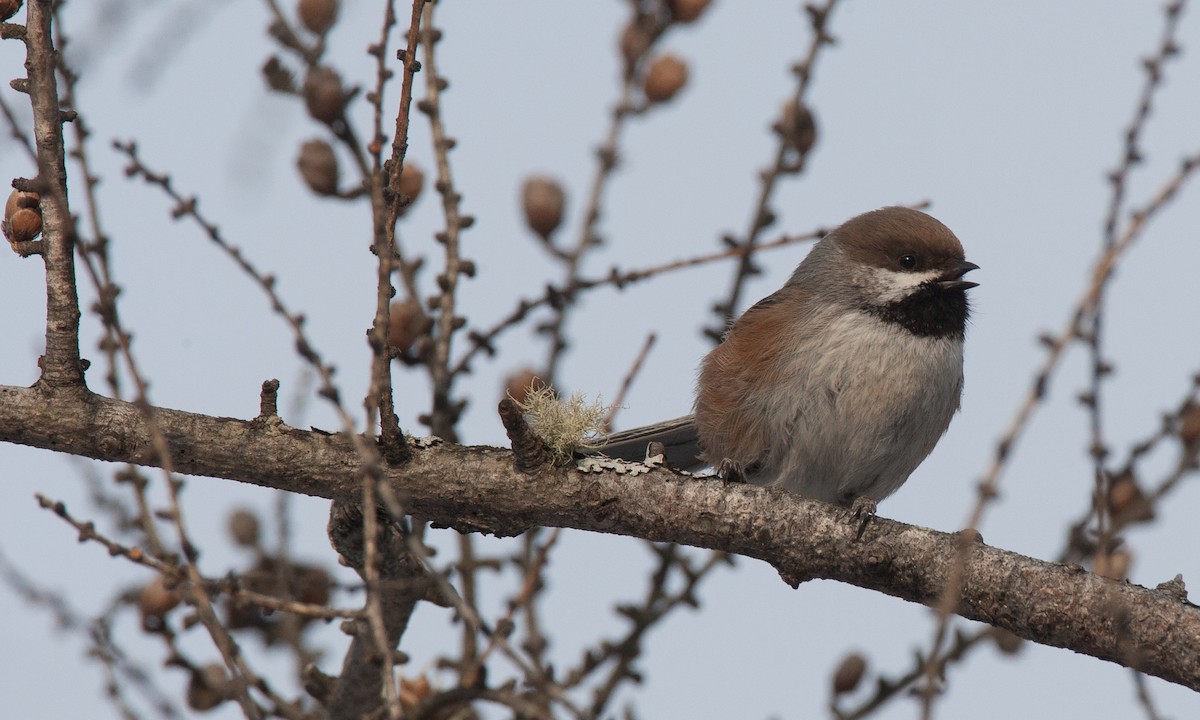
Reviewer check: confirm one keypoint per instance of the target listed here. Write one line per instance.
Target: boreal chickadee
(837, 386)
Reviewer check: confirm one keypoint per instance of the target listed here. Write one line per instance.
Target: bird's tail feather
(678, 436)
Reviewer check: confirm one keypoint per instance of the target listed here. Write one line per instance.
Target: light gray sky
(1006, 115)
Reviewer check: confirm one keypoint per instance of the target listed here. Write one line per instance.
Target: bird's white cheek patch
(895, 285)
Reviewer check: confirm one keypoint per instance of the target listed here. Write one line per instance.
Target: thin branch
(369, 465)
(16, 130)
(117, 665)
(445, 412)
(435, 707)
(532, 561)
(554, 295)
(1079, 545)
(483, 340)
(94, 257)
(534, 675)
(385, 203)
(653, 609)
(988, 487)
(197, 591)
(887, 689)
(187, 207)
(61, 365)
(281, 29)
(1144, 697)
(647, 26)
(1087, 308)
(783, 163)
(1091, 321)
(619, 400)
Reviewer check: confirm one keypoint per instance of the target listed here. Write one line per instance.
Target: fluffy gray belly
(866, 401)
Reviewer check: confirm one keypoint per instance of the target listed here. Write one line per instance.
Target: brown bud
(22, 216)
(311, 584)
(849, 673)
(686, 11)
(208, 688)
(155, 601)
(408, 322)
(20, 199)
(519, 384)
(412, 181)
(1113, 565)
(319, 167)
(543, 200)
(323, 94)
(666, 77)
(24, 225)
(243, 528)
(634, 43)
(1126, 502)
(1189, 428)
(1006, 641)
(317, 15)
(797, 127)
(412, 692)
(8, 8)
(1125, 498)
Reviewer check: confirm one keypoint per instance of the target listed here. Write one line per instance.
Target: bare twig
(1091, 321)
(61, 365)
(385, 201)
(621, 654)
(188, 207)
(532, 562)
(534, 675)
(1114, 247)
(16, 131)
(761, 216)
(95, 259)
(483, 339)
(1143, 696)
(989, 485)
(1079, 544)
(436, 706)
(281, 29)
(197, 591)
(119, 668)
(445, 412)
(647, 25)
(627, 382)
(887, 689)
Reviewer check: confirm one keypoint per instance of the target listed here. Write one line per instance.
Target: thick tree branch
(478, 489)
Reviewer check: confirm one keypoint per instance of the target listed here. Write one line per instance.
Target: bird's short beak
(952, 280)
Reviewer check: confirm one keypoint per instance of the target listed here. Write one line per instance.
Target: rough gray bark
(478, 489)
(60, 363)
(359, 688)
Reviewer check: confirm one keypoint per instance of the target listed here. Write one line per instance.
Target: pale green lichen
(563, 425)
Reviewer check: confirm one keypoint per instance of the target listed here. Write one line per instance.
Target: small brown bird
(837, 386)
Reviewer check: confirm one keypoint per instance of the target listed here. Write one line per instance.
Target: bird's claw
(861, 511)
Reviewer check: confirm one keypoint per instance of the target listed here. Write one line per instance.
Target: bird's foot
(862, 510)
(729, 471)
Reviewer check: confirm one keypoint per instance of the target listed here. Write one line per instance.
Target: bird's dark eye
(908, 262)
